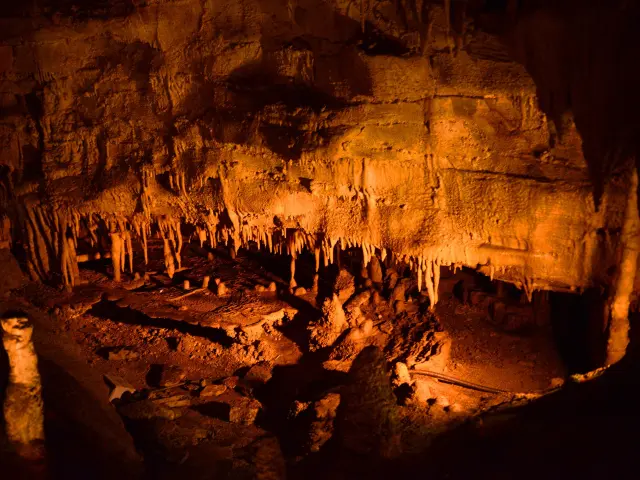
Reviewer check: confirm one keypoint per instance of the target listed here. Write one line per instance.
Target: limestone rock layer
(402, 128)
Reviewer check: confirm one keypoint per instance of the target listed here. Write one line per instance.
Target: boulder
(401, 374)
(147, 410)
(213, 390)
(322, 427)
(160, 375)
(244, 410)
(327, 330)
(368, 421)
(258, 374)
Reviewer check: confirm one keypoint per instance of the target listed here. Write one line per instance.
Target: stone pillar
(617, 309)
(116, 249)
(23, 405)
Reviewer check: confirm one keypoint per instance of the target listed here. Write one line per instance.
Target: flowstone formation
(400, 128)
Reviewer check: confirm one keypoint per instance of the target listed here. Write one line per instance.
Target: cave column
(116, 251)
(617, 310)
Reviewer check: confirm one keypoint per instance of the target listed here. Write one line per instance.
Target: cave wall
(398, 128)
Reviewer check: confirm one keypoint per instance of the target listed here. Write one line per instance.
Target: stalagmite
(618, 306)
(205, 281)
(23, 405)
(221, 288)
(116, 257)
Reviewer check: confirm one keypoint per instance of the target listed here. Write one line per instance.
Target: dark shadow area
(581, 55)
(578, 327)
(172, 343)
(154, 375)
(584, 430)
(78, 10)
(375, 42)
(217, 410)
(110, 310)
(67, 436)
(305, 381)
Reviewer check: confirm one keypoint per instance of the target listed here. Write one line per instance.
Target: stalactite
(178, 252)
(168, 258)
(528, 285)
(49, 223)
(43, 250)
(202, 235)
(169, 230)
(235, 233)
(291, 250)
(67, 275)
(292, 281)
(211, 222)
(436, 280)
(73, 258)
(32, 264)
(116, 257)
(144, 245)
(129, 244)
(431, 269)
(316, 254)
(34, 249)
(92, 227)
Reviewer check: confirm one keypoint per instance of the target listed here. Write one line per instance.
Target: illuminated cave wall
(362, 122)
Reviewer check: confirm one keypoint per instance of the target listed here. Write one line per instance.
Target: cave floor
(166, 344)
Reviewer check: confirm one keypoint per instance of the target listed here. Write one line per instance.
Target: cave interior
(318, 239)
